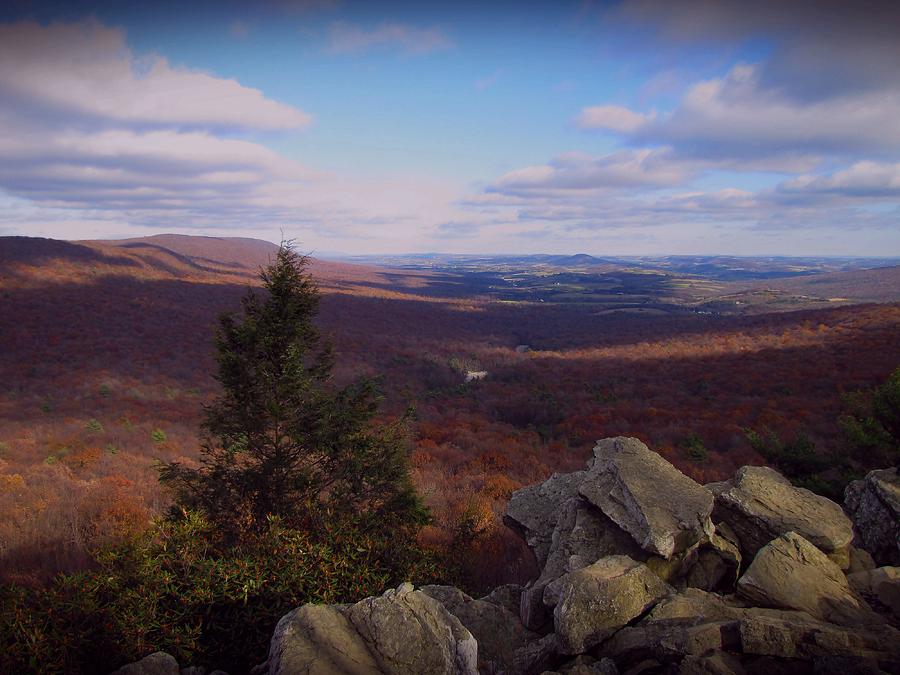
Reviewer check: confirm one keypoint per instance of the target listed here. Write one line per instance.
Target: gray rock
(588, 665)
(498, 631)
(582, 535)
(401, 632)
(537, 656)
(508, 596)
(860, 560)
(714, 663)
(760, 504)
(158, 663)
(532, 610)
(717, 565)
(662, 509)
(880, 586)
(846, 665)
(696, 623)
(668, 641)
(598, 600)
(874, 505)
(790, 572)
(532, 511)
(796, 635)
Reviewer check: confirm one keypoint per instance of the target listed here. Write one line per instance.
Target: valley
(108, 360)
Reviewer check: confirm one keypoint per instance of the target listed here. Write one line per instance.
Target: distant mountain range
(722, 268)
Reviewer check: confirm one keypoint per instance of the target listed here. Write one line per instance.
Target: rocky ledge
(642, 571)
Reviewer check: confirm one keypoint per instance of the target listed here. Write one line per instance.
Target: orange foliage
(94, 362)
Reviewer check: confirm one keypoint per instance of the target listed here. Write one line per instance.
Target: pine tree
(280, 440)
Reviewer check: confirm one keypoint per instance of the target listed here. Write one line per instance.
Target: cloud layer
(347, 38)
(813, 129)
(85, 72)
(90, 132)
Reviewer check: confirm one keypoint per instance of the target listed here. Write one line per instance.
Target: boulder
(669, 641)
(596, 601)
(498, 631)
(582, 535)
(846, 665)
(508, 596)
(717, 565)
(797, 635)
(662, 509)
(881, 587)
(537, 656)
(860, 561)
(588, 665)
(532, 511)
(874, 506)
(401, 632)
(158, 663)
(790, 572)
(760, 504)
(694, 624)
(714, 663)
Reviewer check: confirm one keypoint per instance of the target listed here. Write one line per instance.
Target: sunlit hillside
(108, 360)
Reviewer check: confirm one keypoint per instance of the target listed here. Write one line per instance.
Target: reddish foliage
(100, 352)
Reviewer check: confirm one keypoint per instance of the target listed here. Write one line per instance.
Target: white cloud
(346, 38)
(161, 149)
(577, 171)
(864, 179)
(612, 118)
(736, 117)
(87, 70)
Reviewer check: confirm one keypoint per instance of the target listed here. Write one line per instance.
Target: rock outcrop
(642, 570)
(497, 630)
(880, 587)
(789, 572)
(874, 505)
(402, 632)
(596, 601)
(661, 508)
(533, 510)
(158, 663)
(759, 504)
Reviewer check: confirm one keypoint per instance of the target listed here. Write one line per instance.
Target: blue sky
(635, 127)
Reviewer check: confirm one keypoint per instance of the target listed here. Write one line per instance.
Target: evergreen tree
(279, 440)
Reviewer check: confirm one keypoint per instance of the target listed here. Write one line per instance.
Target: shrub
(695, 448)
(796, 458)
(158, 436)
(871, 425)
(171, 590)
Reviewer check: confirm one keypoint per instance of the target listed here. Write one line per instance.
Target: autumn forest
(107, 361)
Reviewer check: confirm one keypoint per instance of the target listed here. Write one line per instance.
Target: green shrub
(172, 590)
(871, 424)
(158, 436)
(695, 448)
(94, 426)
(796, 458)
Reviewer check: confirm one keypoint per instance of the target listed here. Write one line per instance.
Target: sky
(638, 127)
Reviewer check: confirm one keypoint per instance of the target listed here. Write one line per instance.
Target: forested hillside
(108, 359)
